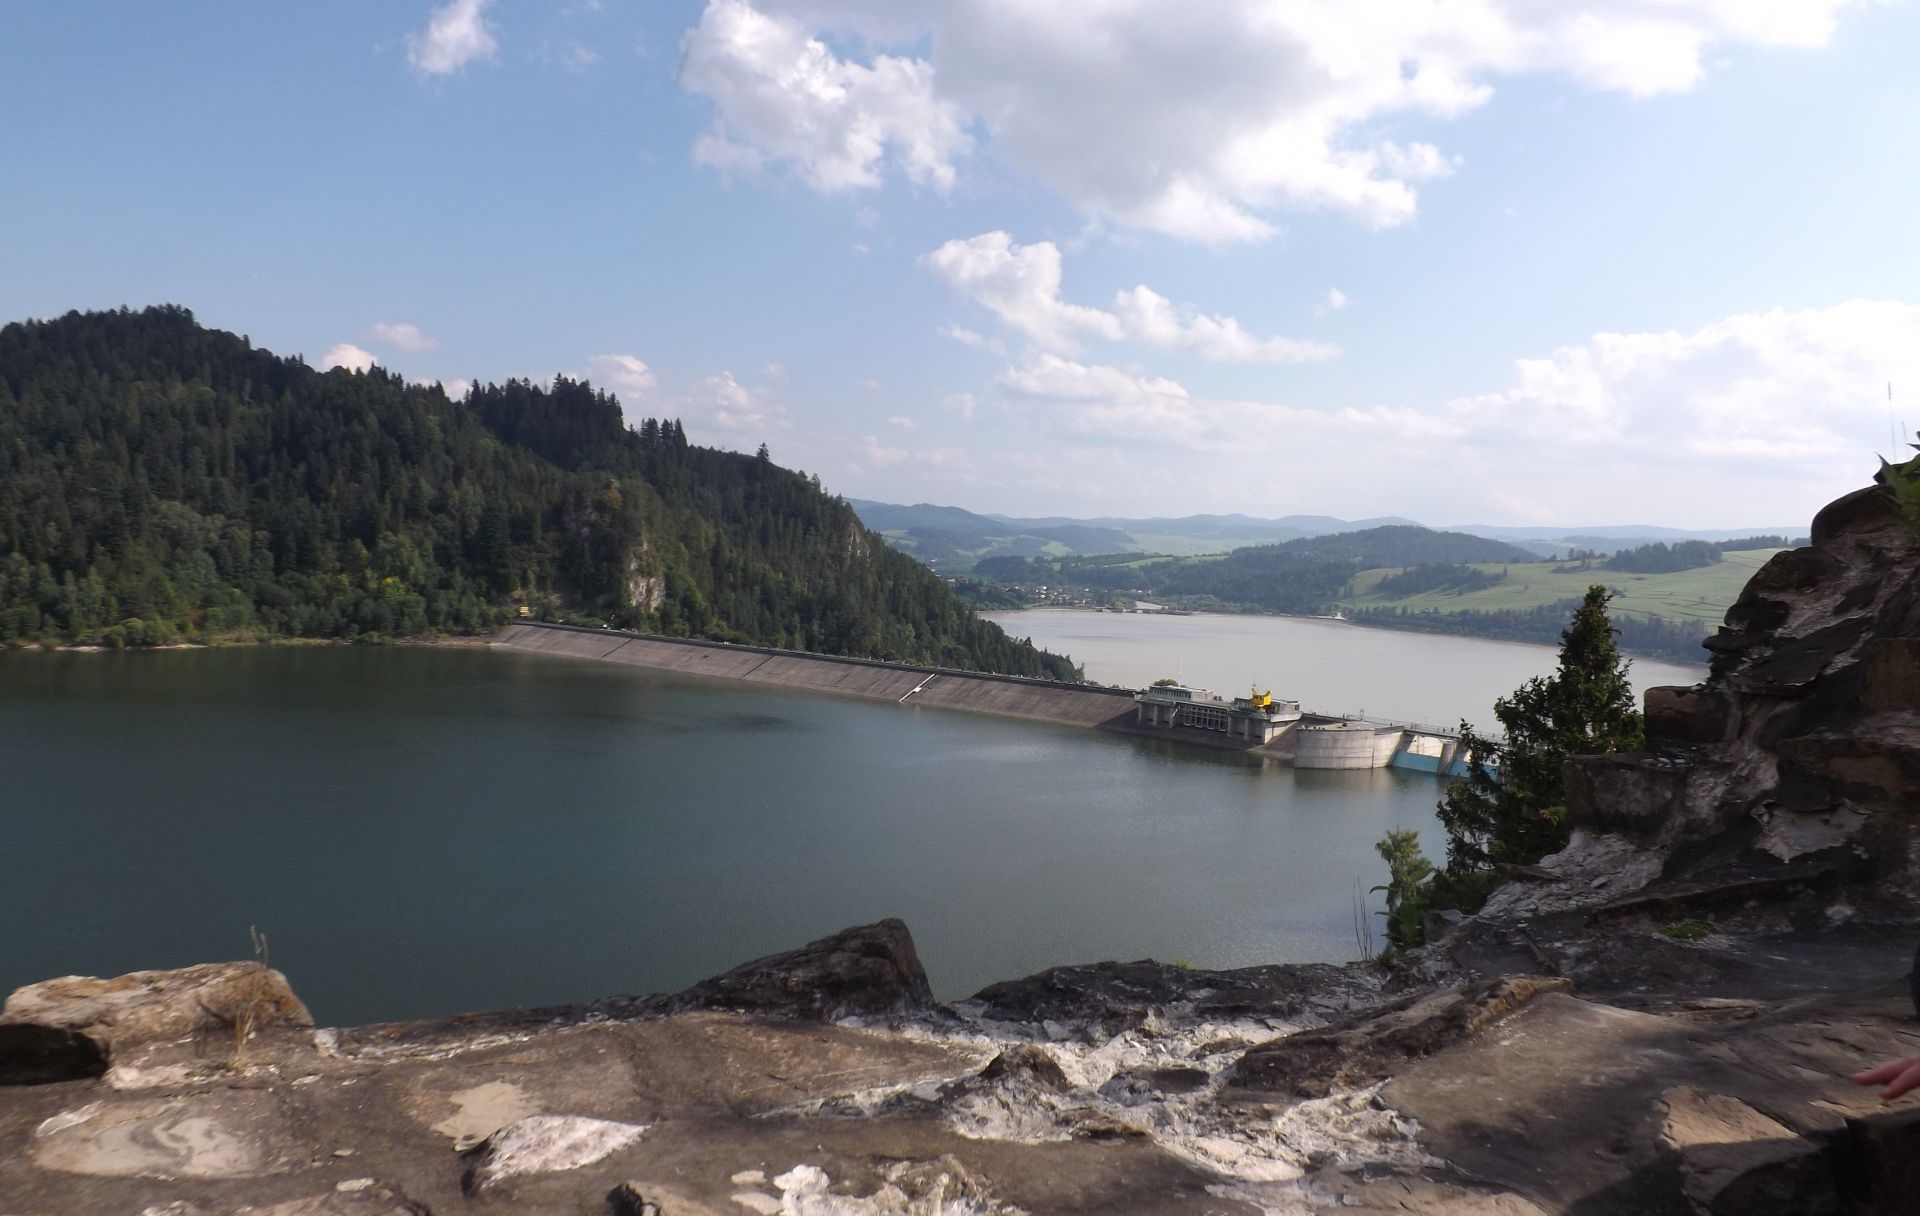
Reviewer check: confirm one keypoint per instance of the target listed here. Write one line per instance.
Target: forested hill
(160, 481)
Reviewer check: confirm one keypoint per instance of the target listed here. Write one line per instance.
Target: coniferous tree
(1512, 805)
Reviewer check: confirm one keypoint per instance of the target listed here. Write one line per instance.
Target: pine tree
(1512, 805)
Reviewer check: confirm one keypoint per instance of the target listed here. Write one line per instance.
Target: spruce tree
(1512, 805)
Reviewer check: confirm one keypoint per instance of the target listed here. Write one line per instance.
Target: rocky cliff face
(1803, 748)
(1658, 1020)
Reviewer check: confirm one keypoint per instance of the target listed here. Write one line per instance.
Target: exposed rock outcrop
(1804, 744)
(546, 1144)
(78, 1026)
(1111, 997)
(868, 971)
(1361, 1051)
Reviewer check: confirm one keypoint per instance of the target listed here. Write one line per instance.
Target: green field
(1701, 595)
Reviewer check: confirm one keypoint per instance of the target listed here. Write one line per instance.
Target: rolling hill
(952, 539)
(161, 481)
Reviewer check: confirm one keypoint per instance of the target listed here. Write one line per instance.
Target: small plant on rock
(1409, 877)
(1903, 482)
(1686, 930)
(251, 997)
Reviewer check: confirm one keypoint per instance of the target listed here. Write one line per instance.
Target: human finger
(1881, 1074)
(1908, 1079)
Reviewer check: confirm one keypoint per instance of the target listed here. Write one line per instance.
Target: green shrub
(1686, 930)
(1409, 875)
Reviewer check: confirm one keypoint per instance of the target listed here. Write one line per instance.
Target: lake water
(1330, 667)
(426, 831)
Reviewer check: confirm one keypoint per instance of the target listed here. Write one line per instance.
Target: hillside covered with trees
(1307, 575)
(162, 481)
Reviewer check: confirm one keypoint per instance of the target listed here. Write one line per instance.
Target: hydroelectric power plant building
(1256, 718)
(1279, 728)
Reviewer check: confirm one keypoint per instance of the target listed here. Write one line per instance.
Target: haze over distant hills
(952, 539)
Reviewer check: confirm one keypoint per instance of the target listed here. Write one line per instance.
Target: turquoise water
(422, 831)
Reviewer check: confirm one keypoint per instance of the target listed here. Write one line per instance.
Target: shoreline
(449, 641)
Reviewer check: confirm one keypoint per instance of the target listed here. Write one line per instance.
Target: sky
(1465, 261)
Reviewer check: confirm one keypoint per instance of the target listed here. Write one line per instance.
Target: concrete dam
(1278, 730)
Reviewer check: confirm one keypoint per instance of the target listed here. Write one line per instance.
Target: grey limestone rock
(78, 1026)
(546, 1144)
(867, 971)
(1368, 1048)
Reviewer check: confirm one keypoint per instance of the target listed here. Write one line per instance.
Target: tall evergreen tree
(1512, 805)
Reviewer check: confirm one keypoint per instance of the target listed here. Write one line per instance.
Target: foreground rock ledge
(1135, 1087)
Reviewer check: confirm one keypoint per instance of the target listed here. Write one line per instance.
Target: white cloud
(1778, 394)
(973, 338)
(400, 335)
(1153, 319)
(883, 455)
(900, 421)
(1020, 284)
(1332, 302)
(1112, 402)
(575, 57)
(630, 380)
(722, 402)
(784, 96)
(347, 355)
(1200, 120)
(456, 389)
(457, 34)
(1754, 420)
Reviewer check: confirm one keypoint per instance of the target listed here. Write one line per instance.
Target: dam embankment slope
(871, 679)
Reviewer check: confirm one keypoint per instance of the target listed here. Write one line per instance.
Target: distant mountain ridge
(952, 539)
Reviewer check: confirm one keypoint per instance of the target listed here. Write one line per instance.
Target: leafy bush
(1409, 873)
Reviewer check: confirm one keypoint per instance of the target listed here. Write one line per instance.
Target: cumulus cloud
(347, 355)
(973, 338)
(629, 378)
(1755, 419)
(1021, 284)
(575, 57)
(883, 455)
(400, 335)
(1153, 319)
(1332, 302)
(722, 402)
(1796, 394)
(1200, 120)
(783, 96)
(457, 33)
(1112, 402)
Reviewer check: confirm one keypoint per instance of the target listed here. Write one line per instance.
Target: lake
(422, 831)
(1330, 667)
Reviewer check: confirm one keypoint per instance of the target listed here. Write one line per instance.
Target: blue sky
(1490, 261)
